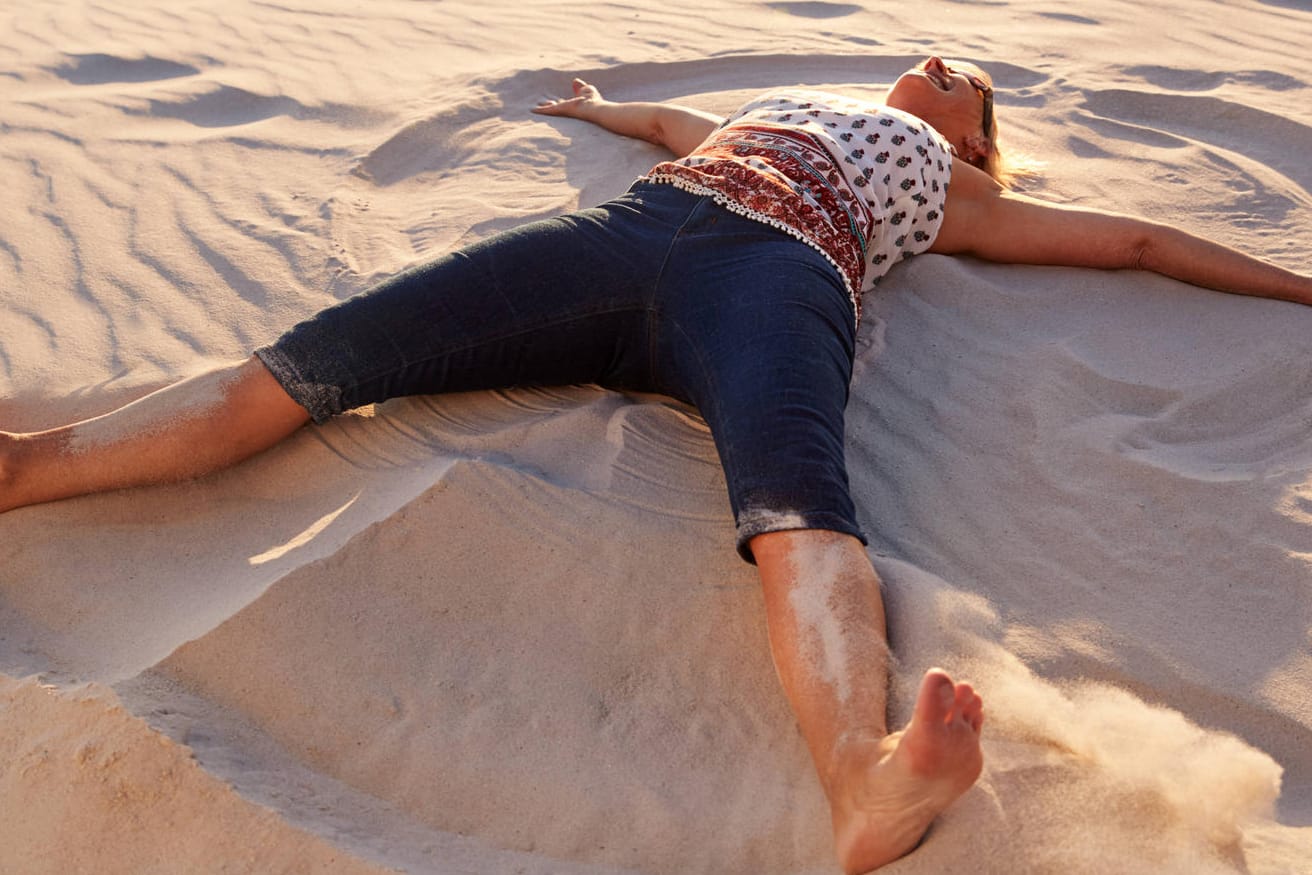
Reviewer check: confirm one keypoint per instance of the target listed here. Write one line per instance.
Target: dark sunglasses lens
(985, 92)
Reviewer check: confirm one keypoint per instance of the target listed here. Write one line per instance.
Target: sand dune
(507, 632)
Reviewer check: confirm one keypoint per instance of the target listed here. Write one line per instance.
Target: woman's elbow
(655, 134)
(1139, 257)
(1145, 249)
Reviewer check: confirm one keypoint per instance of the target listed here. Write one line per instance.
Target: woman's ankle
(853, 753)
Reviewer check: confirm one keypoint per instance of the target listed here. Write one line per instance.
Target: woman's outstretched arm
(678, 128)
(983, 219)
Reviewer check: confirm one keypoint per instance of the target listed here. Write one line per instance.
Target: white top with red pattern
(862, 183)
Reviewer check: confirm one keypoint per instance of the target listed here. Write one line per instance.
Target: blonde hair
(996, 163)
(1009, 169)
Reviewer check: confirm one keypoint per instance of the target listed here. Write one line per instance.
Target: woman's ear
(977, 149)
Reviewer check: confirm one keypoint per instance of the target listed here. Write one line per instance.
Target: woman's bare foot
(886, 792)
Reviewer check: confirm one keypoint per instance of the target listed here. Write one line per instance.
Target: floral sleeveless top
(862, 183)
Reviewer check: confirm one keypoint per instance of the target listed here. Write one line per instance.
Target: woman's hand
(586, 98)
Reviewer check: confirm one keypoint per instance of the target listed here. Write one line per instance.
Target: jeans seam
(653, 307)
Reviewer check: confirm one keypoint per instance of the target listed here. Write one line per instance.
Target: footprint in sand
(99, 69)
(225, 106)
(815, 8)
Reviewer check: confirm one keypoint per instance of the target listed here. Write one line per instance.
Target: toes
(972, 711)
(968, 706)
(937, 697)
(941, 700)
(964, 693)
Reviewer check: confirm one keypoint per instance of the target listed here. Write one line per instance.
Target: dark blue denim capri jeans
(659, 291)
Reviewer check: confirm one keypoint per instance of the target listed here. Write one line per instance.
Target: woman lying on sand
(729, 278)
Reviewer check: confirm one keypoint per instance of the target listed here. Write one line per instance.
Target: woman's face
(943, 95)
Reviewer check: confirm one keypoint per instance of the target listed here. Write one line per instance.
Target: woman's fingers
(567, 106)
(554, 105)
(583, 89)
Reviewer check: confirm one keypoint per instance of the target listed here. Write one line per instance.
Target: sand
(508, 632)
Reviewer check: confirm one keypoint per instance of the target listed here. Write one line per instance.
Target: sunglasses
(986, 91)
